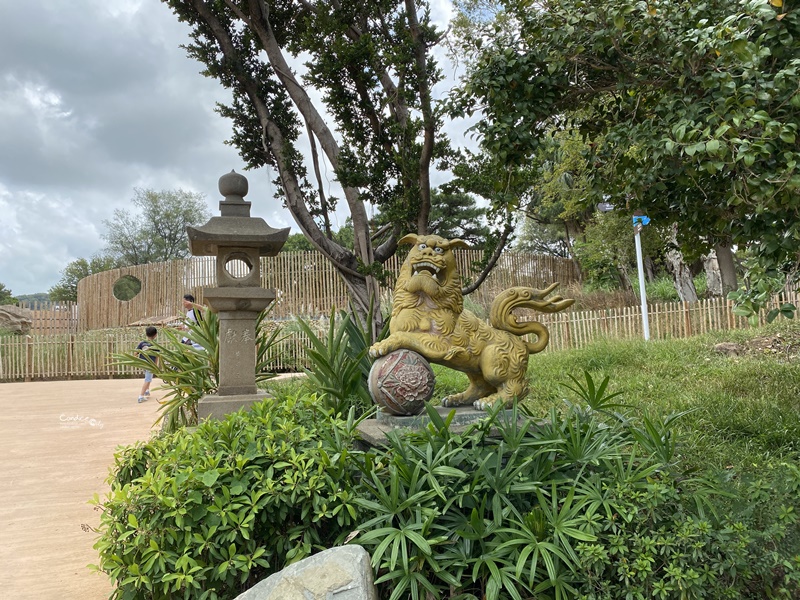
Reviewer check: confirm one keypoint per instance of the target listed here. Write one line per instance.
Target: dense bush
(206, 513)
(591, 504)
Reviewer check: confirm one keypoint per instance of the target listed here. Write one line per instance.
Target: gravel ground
(57, 442)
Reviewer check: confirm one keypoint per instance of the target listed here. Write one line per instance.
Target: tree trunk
(571, 231)
(681, 274)
(713, 278)
(624, 277)
(365, 301)
(649, 269)
(727, 268)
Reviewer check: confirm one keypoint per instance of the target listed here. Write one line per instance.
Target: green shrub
(206, 513)
(589, 504)
(663, 289)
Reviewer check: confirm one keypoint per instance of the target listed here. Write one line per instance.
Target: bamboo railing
(306, 285)
(87, 354)
(51, 318)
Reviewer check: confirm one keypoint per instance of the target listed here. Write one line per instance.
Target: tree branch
(429, 125)
(501, 244)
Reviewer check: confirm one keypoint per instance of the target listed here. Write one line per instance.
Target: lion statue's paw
(454, 400)
(489, 402)
(378, 350)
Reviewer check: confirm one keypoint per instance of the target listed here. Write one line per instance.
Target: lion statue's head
(429, 273)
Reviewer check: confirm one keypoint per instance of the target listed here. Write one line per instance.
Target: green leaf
(209, 478)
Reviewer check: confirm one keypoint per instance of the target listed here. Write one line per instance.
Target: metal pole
(645, 323)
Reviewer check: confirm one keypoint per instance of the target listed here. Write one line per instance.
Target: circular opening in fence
(238, 265)
(127, 287)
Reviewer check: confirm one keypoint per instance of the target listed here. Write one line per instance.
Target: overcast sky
(96, 99)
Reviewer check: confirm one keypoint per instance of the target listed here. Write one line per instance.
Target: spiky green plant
(188, 373)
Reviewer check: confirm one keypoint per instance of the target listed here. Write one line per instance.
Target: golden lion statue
(428, 318)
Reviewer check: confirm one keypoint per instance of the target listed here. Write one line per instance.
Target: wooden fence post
(28, 358)
(70, 350)
(109, 348)
(687, 319)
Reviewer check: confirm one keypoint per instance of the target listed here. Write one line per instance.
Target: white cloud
(97, 98)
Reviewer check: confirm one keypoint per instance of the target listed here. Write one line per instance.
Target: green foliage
(157, 231)
(579, 506)
(693, 108)
(188, 373)
(340, 361)
(368, 75)
(454, 214)
(5, 295)
(457, 216)
(745, 409)
(298, 242)
(662, 289)
(204, 514)
(607, 252)
(765, 283)
(38, 297)
(590, 503)
(66, 289)
(126, 288)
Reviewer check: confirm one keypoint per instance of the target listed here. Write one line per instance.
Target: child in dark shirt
(151, 333)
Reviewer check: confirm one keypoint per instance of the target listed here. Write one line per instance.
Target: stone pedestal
(214, 406)
(237, 309)
(373, 431)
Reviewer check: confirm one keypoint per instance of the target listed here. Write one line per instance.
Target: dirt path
(57, 441)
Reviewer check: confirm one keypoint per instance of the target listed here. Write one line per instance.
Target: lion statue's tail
(501, 316)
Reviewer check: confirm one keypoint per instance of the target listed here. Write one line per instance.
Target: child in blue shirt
(151, 333)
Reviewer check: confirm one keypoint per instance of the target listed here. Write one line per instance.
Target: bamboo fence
(305, 283)
(52, 318)
(87, 355)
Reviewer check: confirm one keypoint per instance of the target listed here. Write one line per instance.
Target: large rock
(342, 573)
(15, 319)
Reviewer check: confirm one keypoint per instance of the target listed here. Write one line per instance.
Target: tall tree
(157, 230)
(697, 102)
(66, 290)
(372, 65)
(6, 297)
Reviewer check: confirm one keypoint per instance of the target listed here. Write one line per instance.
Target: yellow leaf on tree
(776, 3)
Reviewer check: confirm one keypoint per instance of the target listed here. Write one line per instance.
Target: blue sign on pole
(637, 220)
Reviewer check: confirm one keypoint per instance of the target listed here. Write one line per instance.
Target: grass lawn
(743, 410)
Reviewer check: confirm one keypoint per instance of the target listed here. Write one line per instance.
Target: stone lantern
(238, 241)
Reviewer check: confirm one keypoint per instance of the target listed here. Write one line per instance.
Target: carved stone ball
(401, 382)
(233, 184)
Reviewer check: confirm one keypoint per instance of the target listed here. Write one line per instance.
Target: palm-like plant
(188, 373)
(340, 360)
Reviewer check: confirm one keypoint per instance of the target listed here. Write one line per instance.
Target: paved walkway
(57, 442)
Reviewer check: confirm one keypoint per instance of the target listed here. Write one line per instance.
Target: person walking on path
(193, 312)
(193, 315)
(143, 347)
